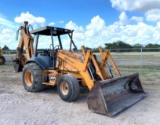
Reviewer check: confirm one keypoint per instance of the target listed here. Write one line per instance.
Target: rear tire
(2, 60)
(68, 88)
(32, 78)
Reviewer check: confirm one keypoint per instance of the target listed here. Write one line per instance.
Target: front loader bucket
(17, 65)
(112, 96)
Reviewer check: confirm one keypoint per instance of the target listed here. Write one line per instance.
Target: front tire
(68, 88)
(2, 60)
(32, 78)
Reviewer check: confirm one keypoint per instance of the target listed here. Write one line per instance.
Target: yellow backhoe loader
(2, 59)
(70, 69)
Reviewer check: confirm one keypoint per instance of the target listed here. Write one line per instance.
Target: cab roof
(47, 31)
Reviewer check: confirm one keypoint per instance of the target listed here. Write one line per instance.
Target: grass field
(147, 64)
(134, 55)
(145, 60)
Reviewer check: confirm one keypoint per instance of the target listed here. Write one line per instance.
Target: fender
(38, 61)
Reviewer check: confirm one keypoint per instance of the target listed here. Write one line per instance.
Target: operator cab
(56, 34)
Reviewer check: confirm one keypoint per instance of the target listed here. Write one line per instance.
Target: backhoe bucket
(17, 65)
(112, 96)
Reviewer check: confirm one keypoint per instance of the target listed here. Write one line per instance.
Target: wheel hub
(64, 88)
(28, 78)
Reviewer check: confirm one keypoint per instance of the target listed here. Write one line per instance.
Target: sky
(95, 22)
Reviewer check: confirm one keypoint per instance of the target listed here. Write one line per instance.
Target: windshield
(63, 41)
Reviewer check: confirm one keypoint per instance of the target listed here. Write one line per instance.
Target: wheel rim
(1, 60)
(28, 78)
(64, 88)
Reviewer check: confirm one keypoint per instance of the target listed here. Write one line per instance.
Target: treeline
(125, 47)
(121, 46)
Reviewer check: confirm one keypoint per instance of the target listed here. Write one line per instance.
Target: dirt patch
(18, 107)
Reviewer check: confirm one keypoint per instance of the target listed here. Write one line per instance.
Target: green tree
(5, 48)
(88, 48)
(108, 45)
(150, 45)
(117, 45)
(137, 45)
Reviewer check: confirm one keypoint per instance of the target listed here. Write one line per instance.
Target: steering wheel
(57, 47)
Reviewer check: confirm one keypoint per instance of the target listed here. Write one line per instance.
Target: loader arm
(25, 43)
(83, 67)
(100, 66)
(107, 56)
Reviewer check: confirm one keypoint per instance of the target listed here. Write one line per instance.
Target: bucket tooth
(112, 96)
